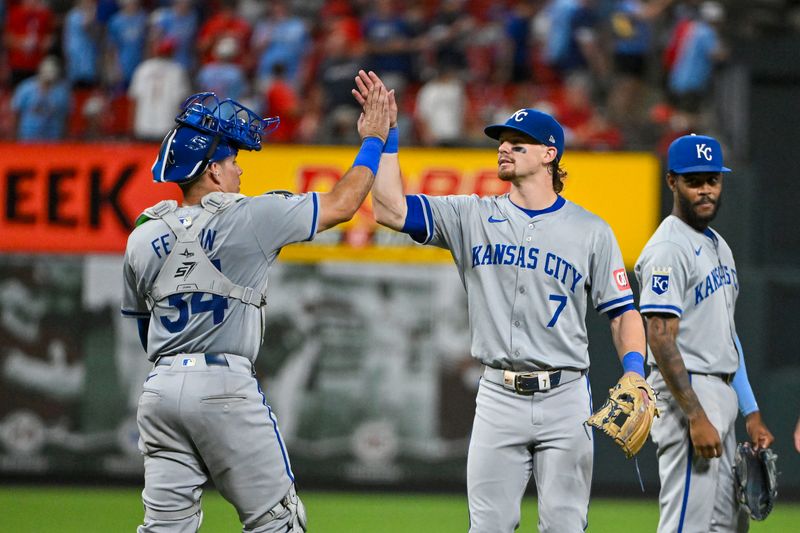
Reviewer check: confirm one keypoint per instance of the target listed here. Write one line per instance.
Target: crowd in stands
(618, 74)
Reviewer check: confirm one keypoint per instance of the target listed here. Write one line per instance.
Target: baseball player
(530, 262)
(195, 276)
(689, 284)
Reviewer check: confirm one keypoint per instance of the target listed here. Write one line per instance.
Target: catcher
(688, 288)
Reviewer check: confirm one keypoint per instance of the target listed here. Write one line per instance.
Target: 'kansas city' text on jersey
(692, 275)
(528, 278)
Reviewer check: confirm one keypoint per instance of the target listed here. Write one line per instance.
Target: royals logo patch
(660, 281)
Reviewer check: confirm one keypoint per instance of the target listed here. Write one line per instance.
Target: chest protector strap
(187, 267)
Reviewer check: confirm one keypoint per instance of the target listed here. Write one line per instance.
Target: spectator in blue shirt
(179, 24)
(280, 38)
(42, 104)
(700, 48)
(572, 41)
(223, 76)
(127, 34)
(81, 36)
(389, 44)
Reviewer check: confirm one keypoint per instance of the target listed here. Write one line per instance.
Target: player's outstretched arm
(662, 334)
(341, 203)
(388, 199)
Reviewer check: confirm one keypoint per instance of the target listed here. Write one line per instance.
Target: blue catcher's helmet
(208, 130)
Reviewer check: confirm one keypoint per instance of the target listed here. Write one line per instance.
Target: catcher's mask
(208, 130)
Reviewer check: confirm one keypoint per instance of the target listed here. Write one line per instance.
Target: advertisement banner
(621, 188)
(78, 198)
(74, 198)
(366, 366)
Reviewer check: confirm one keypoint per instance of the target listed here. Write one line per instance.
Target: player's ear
(550, 155)
(671, 179)
(213, 173)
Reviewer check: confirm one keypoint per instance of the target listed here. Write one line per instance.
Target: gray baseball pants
(199, 421)
(514, 437)
(697, 494)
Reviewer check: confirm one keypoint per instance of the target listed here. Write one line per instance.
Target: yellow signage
(621, 188)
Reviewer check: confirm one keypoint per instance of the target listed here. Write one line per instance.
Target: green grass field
(88, 510)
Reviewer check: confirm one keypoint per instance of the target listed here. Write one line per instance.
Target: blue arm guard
(633, 362)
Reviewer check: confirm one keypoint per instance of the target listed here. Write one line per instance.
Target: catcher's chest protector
(187, 267)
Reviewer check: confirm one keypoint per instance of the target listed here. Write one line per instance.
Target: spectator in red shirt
(282, 100)
(28, 35)
(225, 23)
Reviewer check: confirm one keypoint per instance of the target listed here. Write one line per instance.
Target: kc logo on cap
(695, 153)
(540, 126)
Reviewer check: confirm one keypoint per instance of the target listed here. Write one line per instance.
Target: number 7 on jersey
(562, 302)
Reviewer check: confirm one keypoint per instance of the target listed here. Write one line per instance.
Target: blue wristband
(633, 362)
(392, 145)
(370, 154)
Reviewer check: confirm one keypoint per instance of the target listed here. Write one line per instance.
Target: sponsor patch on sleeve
(621, 279)
(659, 283)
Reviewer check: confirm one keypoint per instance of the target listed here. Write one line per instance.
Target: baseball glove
(756, 474)
(625, 417)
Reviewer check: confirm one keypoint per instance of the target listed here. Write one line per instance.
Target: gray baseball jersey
(692, 275)
(528, 279)
(242, 241)
(204, 346)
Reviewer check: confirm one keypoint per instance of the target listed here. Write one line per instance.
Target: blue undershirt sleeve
(415, 225)
(617, 311)
(747, 401)
(144, 327)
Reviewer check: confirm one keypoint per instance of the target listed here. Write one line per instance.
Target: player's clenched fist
(705, 437)
(374, 120)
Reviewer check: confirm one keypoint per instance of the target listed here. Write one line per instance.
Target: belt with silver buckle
(528, 383)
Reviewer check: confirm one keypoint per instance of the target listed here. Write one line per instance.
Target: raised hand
(374, 120)
(364, 82)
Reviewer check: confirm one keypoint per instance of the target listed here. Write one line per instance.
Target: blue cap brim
(495, 130)
(699, 168)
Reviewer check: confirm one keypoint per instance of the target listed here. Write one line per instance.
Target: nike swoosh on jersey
(496, 220)
(697, 252)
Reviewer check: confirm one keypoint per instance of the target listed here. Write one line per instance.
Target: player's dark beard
(507, 175)
(690, 215)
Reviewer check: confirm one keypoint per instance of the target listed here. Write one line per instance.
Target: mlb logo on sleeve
(621, 279)
(660, 280)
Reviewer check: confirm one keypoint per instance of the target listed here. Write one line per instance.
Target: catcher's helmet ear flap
(186, 152)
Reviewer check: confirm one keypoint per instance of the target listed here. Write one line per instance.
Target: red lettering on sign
(488, 184)
(74, 198)
(440, 181)
(320, 179)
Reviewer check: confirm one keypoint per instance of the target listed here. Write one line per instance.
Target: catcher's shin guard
(289, 511)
